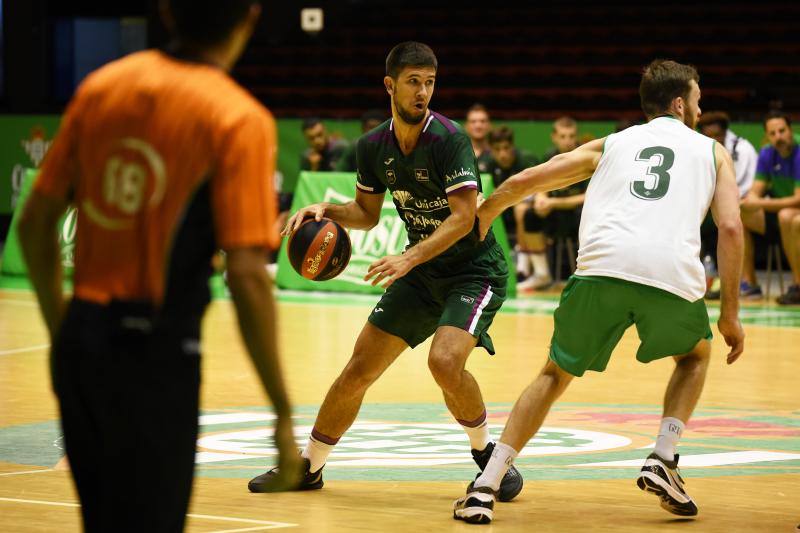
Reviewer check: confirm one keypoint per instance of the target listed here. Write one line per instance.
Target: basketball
(319, 251)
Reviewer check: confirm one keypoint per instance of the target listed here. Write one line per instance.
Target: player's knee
(786, 216)
(445, 370)
(698, 359)
(559, 378)
(358, 374)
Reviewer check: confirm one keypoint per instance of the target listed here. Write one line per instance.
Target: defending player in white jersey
(639, 265)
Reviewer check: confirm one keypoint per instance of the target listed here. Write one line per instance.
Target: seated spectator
(369, 120)
(772, 205)
(716, 124)
(323, 152)
(505, 161)
(562, 208)
(477, 127)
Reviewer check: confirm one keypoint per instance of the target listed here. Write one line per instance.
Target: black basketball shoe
(662, 478)
(476, 507)
(309, 482)
(511, 485)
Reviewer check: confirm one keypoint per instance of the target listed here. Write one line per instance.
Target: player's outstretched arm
(560, 171)
(251, 290)
(39, 241)
(458, 223)
(362, 213)
(730, 249)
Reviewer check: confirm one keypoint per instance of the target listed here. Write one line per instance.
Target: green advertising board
(388, 237)
(13, 263)
(24, 140)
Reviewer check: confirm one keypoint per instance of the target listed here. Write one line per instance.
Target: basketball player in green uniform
(447, 283)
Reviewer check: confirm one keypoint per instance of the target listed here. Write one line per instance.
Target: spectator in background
(477, 127)
(323, 152)
(369, 120)
(716, 124)
(777, 175)
(562, 208)
(505, 161)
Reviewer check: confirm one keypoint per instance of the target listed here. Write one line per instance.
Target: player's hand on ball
(390, 268)
(315, 210)
(732, 332)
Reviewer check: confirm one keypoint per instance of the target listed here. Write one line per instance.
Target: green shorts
(595, 311)
(465, 295)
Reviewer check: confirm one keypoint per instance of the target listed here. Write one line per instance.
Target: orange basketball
(319, 251)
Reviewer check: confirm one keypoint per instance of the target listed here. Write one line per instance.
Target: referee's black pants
(129, 398)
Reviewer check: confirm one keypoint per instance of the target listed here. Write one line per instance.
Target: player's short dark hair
(477, 107)
(777, 113)
(309, 123)
(501, 134)
(208, 22)
(720, 118)
(565, 122)
(664, 80)
(409, 54)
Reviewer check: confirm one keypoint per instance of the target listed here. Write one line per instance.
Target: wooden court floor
(404, 461)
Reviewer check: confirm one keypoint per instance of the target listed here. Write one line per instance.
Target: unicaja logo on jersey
(402, 197)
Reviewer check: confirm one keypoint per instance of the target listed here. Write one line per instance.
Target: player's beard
(690, 119)
(407, 117)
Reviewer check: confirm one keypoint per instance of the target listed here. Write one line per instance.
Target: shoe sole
(474, 515)
(648, 483)
(314, 486)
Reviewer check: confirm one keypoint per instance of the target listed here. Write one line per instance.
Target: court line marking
(22, 303)
(27, 472)
(22, 350)
(262, 524)
(256, 528)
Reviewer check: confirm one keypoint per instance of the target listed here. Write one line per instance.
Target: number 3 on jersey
(661, 159)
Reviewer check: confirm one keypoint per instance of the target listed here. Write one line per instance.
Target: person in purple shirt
(774, 201)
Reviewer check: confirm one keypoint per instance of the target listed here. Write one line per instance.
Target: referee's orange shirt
(138, 139)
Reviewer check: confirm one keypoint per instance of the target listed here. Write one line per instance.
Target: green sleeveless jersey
(442, 163)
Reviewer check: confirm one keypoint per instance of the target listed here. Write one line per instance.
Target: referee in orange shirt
(167, 160)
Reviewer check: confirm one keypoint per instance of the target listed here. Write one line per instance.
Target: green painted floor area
(421, 442)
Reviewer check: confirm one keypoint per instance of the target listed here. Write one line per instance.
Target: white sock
(317, 453)
(668, 436)
(540, 267)
(478, 436)
(502, 458)
(523, 263)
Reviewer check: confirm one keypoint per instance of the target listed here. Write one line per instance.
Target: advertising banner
(24, 141)
(13, 264)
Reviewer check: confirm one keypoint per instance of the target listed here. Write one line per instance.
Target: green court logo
(408, 444)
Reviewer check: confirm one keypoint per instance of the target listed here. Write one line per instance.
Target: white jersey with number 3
(644, 207)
